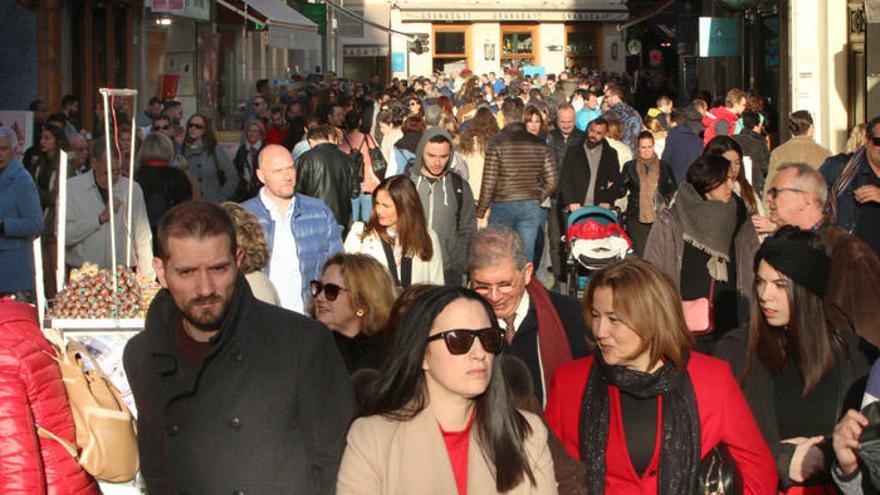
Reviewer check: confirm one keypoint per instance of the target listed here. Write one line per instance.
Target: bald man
(306, 235)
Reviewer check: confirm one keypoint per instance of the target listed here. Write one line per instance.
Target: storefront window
(517, 43)
(449, 43)
(450, 47)
(518, 46)
(581, 47)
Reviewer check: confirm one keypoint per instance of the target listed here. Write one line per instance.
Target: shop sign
(510, 15)
(195, 9)
(719, 37)
(364, 51)
(398, 62)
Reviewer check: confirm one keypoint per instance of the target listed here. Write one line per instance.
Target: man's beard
(205, 320)
(592, 144)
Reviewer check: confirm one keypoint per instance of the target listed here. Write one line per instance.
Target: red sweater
(725, 417)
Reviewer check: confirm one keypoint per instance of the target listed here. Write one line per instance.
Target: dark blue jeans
(526, 217)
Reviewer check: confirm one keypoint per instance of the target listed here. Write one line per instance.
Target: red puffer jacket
(31, 392)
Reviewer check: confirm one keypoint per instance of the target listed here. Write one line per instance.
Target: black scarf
(680, 451)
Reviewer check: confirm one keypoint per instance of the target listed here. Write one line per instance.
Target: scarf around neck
(649, 177)
(553, 343)
(680, 441)
(708, 226)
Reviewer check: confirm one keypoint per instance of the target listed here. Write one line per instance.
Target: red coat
(725, 417)
(31, 392)
(713, 117)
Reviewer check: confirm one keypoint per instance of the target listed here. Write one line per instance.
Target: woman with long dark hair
(398, 236)
(207, 160)
(439, 419)
(645, 410)
(799, 373)
(705, 242)
(731, 150)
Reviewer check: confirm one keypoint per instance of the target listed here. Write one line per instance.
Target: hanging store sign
(365, 51)
(510, 15)
(719, 37)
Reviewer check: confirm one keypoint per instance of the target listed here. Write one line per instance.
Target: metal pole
(130, 231)
(105, 92)
(61, 222)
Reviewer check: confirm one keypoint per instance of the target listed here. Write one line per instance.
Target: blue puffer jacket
(22, 222)
(314, 229)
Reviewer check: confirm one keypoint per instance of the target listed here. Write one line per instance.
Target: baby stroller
(594, 239)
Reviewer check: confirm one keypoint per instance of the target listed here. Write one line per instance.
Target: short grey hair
(7, 133)
(433, 112)
(494, 244)
(808, 179)
(156, 146)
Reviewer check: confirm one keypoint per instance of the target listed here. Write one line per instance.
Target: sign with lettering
(365, 51)
(509, 15)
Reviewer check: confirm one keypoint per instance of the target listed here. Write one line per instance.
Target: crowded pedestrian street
(423, 248)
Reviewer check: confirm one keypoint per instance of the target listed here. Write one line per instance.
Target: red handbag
(699, 314)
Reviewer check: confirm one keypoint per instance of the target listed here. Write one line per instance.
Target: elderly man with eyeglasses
(543, 328)
(798, 196)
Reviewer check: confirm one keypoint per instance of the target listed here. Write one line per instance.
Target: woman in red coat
(644, 410)
(31, 393)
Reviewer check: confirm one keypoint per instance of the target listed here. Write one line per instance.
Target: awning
(287, 28)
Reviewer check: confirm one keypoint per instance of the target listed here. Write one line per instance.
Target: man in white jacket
(88, 217)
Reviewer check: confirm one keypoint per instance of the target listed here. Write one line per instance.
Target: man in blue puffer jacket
(21, 220)
(298, 253)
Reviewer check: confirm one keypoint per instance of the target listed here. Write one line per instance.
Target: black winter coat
(248, 184)
(559, 146)
(630, 184)
(754, 145)
(574, 178)
(326, 173)
(850, 373)
(525, 341)
(266, 412)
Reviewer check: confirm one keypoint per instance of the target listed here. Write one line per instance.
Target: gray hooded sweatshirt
(440, 202)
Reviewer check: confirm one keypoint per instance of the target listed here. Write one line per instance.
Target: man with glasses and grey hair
(21, 220)
(543, 328)
(798, 196)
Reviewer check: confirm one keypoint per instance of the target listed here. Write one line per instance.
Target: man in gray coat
(233, 395)
(447, 199)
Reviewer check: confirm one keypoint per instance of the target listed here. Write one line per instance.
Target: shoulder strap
(459, 195)
(389, 259)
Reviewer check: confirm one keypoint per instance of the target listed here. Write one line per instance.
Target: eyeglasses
(484, 290)
(331, 291)
(460, 341)
(876, 140)
(774, 191)
(161, 127)
(196, 125)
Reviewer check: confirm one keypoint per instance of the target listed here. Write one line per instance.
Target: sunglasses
(875, 140)
(197, 126)
(460, 341)
(161, 127)
(331, 291)
(774, 191)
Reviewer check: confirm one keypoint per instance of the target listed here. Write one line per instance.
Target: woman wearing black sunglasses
(440, 420)
(353, 298)
(208, 161)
